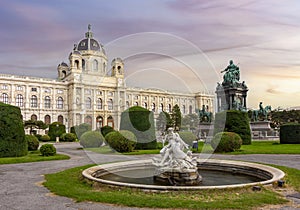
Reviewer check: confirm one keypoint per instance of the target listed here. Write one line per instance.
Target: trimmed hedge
(33, 142)
(226, 142)
(233, 121)
(45, 138)
(106, 130)
(81, 129)
(68, 137)
(56, 131)
(12, 134)
(122, 141)
(188, 137)
(290, 133)
(48, 150)
(140, 121)
(91, 139)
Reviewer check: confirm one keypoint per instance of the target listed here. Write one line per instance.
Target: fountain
(176, 169)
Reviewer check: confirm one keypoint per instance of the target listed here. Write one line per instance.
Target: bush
(45, 138)
(226, 142)
(188, 137)
(33, 142)
(140, 121)
(56, 129)
(91, 139)
(68, 137)
(12, 135)
(106, 130)
(48, 150)
(81, 129)
(38, 136)
(290, 133)
(123, 141)
(234, 121)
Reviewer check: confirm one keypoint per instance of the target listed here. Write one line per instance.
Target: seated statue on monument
(232, 75)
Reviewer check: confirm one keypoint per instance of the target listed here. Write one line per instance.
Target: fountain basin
(261, 174)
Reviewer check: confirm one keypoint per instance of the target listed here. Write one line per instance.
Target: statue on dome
(232, 74)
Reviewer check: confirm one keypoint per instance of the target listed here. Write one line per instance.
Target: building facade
(85, 93)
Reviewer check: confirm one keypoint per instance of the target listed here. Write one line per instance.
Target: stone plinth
(263, 130)
(189, 177)
(206, 130)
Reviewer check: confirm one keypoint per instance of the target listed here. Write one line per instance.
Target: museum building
(85, 93)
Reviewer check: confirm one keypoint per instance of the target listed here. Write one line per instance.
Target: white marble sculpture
(173, 155)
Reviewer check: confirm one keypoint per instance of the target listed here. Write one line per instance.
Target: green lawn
(68, 183)
(33, 156)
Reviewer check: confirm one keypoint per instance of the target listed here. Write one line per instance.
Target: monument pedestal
(263, 130)
(206, 130)
(178, 177)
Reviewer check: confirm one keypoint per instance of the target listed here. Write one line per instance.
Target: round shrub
(81, 129)
(226, 142)
(38, 136)
(56, 129)
(122, 141)
(45, 138)
(33, 142)
(290, 133)
(12, 134)
(106, 130)
(68, 137)
(91, 139)
(48, 150)
(188, 137)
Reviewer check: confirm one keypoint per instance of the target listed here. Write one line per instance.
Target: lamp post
(57, 137)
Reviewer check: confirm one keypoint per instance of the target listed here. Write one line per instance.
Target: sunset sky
(166, 44)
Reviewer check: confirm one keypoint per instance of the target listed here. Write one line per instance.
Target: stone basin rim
(275, 174)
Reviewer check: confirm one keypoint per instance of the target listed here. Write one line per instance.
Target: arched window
(104, 67)
(88, 120)
(99, 103)
(191, 109)
(60, 103)
(60, 119)
(88, 103)
(95, 65)
(153, 107)
(19, 100)
(47, 119)
(136, 103)
(183, 109)
(110, 121)
(99, 122)
(33, 117)
(110, 104)
(83, 65)
(127, 104)
(169, 108)
(161, 107)
(4, 98)
(33, 101)
(47, 102)
(77, 64)
(145, 105)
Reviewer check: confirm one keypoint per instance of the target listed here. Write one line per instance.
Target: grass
(69, 183)
(32, 156)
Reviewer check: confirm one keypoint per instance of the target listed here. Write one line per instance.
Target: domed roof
(89, 43)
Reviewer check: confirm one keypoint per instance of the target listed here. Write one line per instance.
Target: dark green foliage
(38, 136)
(12, 135)
(48, 150)
(106, 130)
(279, 118)
(140, 121)
(33, 142)
(176, 117)
(226, 142)
(56, 129)
(68, 137)
(234, 121)
(123, 141)
(163, 121)
(81, 129)
(91, 139)
(290, 133)
(190, 121)
(34, 124)
(188, 137)
(45, 138)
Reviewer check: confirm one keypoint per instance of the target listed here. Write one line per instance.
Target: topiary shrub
(233, 121)
(56, 129)
(140, 121)
(33, 142)
(106, 129)
(12, 135)
(68, 137)
(226, 142)
(81, 129)
(91, 139)
(38, 136)
(45, 138)
(48, 150)
(188, 137)
(290, 133)
(123, 141)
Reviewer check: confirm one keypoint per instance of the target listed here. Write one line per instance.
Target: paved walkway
(21, 189)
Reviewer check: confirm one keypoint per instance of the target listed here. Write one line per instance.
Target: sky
(165, 44)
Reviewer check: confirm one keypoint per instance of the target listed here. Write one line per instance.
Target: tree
(163, 121)
(176, 117)
(34, 124)
(190, 121)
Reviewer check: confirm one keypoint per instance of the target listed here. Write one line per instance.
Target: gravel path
(21, 189)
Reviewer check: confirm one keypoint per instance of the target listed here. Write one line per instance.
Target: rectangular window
(34, 89)
(19, 88)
